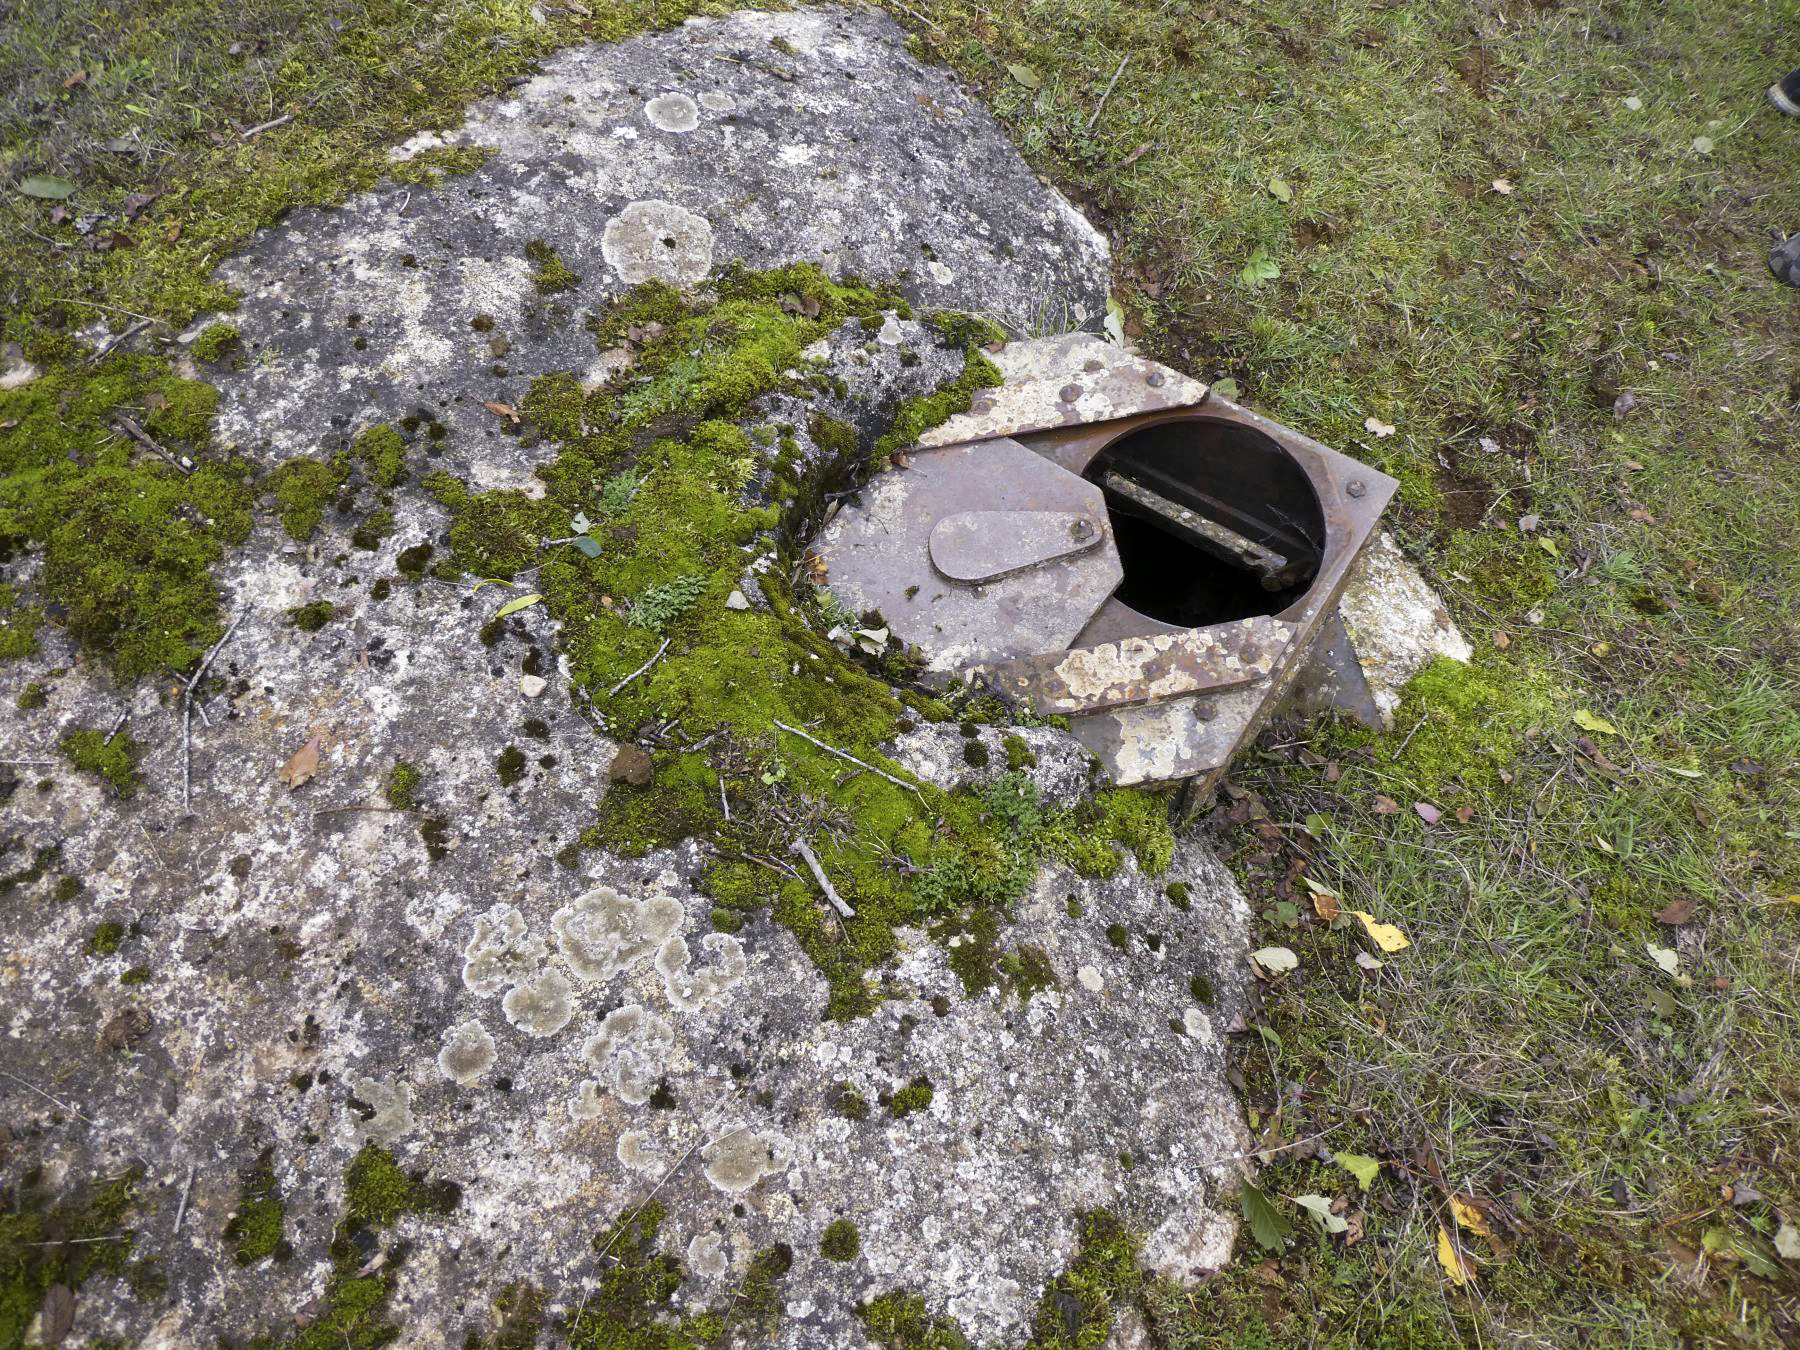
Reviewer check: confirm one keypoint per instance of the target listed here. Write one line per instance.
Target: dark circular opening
(1214, 521)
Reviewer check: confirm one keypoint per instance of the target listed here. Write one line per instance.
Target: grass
(1475, 238)
(1485, 245)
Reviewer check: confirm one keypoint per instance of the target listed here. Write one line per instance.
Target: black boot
(1784, 94)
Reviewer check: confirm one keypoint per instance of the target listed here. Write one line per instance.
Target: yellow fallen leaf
(1588, 721)
(1387, 937)
(1467, 1216)
(1457, 1266)
(1325, 900)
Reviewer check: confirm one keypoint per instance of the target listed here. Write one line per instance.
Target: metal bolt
(1156, 379)
(1356, 487)
(981, 403)
(1069, 393)
(1092, 364)
(1082, 529)
(1205, 711)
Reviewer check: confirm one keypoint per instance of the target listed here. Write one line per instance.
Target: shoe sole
(1781, 103)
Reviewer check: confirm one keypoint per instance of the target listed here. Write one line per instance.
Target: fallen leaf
(514, 606)
(1273, 961)
(1385, 805)
(501, 410)
(1377, 428)
(588, 547)
(1388, 937)
(1225, 388)
(1502, 641)
(1457, 1266)
(1280, 191)
(79, 77)
(1268, 1225)
(1489, 445)
(1528, 523)
(303, 764)
(1469, 1217)
(1428, 813)
(1320, 1208)
(1025, 75)
(1549, 546)
(1676, 912)
(58, 1314)
(48, 188)
(1325, 901)
(1503, 186)
(1665, 957)
(1787, 1242)
(1624, 403)
(1703, 145)
(1587, 721)
(1634, 103)
(1363, 1168)
(1368, 963)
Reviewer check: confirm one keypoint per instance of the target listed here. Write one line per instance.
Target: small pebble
(532, 685)
(736, 600)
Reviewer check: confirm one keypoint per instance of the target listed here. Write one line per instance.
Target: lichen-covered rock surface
(340, 990)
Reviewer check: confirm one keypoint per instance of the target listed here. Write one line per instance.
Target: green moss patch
(113, 757)
(1077, 1307)
(215, 341)
(840, 1241)
(254, 1230)
(62, 1243)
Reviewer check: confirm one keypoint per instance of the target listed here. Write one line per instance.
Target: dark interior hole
(1214, 521)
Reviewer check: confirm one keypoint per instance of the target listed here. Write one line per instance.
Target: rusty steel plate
(1143, 669)
(877, 553)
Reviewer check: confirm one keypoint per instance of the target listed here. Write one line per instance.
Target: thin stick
(722, 802)
(118, 725)
(1124, 61)
(812, 862)
(114, 309)
(384, 810)
(1409, 735)
(187, 712)
(181, 1209)
(641, 669)
(143, 438)
(101, 353)
(267, 126)
(28, 761)
(673, 1168)
(845, 755)
(64, 1106)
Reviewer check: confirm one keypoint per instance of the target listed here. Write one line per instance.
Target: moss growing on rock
(840, 1241)
(402, 786)
(915, 1096)
(303, 487)
(898, 1320)
(552, 272)
(254, 1230)
(113, 758)
(34, 695)
(106, 938)
(44, 1243)
(383, 450)
(215, 340)
(312, 616)
(510, 765)
(429, 167)
(1077, 1307)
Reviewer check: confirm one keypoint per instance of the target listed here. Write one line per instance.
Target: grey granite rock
(563, 1039)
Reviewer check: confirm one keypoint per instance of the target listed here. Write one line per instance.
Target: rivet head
(1069, 393)
(1156, 379)
(1356, 487)
(1092, 364)
(1205, 712)
(981, 403)
(1082, 529)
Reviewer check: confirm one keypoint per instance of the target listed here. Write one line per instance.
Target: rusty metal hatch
(1102, 538)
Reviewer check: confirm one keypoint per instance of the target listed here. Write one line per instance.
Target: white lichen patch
(655, 240)
(672, 112)
(741, 1157)
(640, 1151)
(629, 1052)
(601, 932)
(692, 990)
(467, 1053)
(541, 1005)
(501, 952)
(383, 1107)
(706, 1256)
